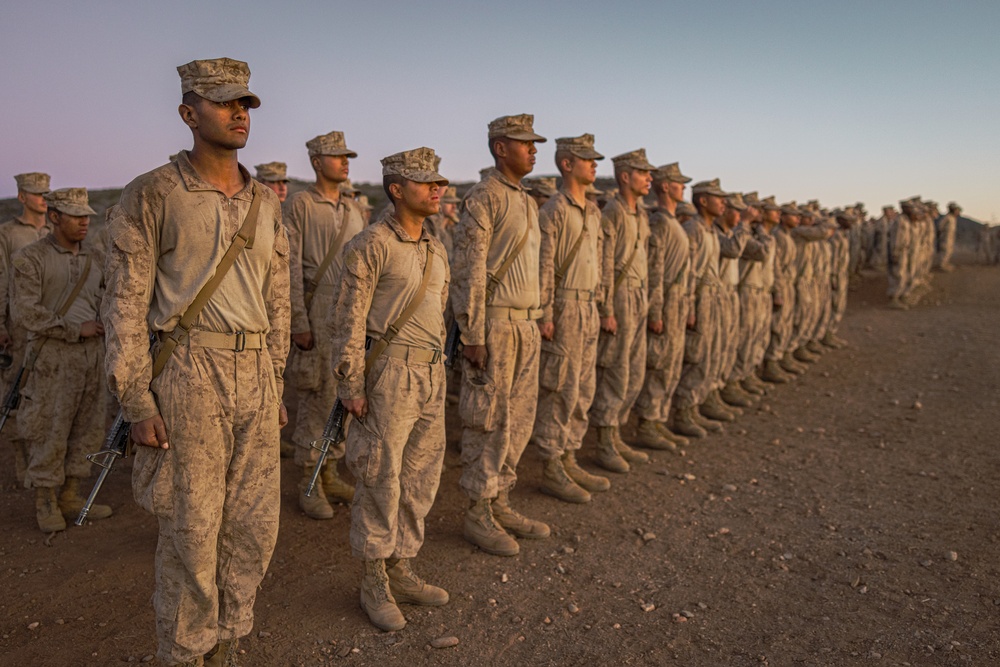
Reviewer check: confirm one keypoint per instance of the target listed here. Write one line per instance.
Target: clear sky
(841, 101)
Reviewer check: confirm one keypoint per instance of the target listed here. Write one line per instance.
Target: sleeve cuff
(140, 408)
(351, 388)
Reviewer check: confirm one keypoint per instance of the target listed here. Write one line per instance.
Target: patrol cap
(735, 200)
(544, 186)
(685, 208)
(218, 80)
(450, 196)
(806, 212)
(331, 143)
(416, 165)
(751, 199)
(952, 206)
(34, 182)
(633, 160)
(768, 204)
(272, 172)
(71, 201)
(581, 147)
(345, 188)
(845, 215)
(712, 187)
(888, 207)
(519, 127)
(670, 172)
(790, 208)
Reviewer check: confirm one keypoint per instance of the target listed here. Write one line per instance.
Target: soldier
(541, 189)
(57, 285)
(779, 365)
(946, 227)
(275, 176)
(839, 276)
(570, 278)
(824, 279)
(496, 301)
(807, 306)
(15, 234)
(621, 348)
(685, 211)
(898, 241)
(347, 190)
(387, 329)
(320, 221)
(209, 422)
(669, 273)
(366, 208)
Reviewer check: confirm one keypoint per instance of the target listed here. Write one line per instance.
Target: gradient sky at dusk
(840, 101)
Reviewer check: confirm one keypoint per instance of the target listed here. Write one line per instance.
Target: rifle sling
(494, 281)
(331, 254)
(564, 267)
(628, 262)
(244, 239)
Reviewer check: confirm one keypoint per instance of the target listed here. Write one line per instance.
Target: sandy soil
(850, 518)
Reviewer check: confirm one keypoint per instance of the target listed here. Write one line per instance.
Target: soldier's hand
(476, 354)
(303, 341)
(547, 329)
(656, 327)
(282, 416)
(609, 324)
(150, 432)
(91, 329)
(692, 320)
(357, 407)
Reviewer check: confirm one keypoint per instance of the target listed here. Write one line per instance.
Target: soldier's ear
(396, 191)
(188, 115)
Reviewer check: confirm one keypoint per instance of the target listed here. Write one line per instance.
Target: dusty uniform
(439, 227)
(732, 245)
(783, 317)
(216, 490)
(898, 241)
(314, 225)
(878, 243)
(824, 291)
(621, 358)
(396, 453)
(945, 245)
(669, 278)
(702, 345)
(757, 284)
(61, 416)
(807, 308)
(567, 371)
(839, 271)
(497, 404)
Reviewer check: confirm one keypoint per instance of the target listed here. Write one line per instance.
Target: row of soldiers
(568, 314)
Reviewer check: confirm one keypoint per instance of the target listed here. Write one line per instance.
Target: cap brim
(229, 93)
(73, 209)
(585, 154)
(425, 177)
(679, 179)
(35, 191)
(526, 136)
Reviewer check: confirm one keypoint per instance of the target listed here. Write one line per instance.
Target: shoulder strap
(331, 253)
(244, 239)
(493, 281)
(564, 267)
(404, 317)
(77, 288)
(628, 262)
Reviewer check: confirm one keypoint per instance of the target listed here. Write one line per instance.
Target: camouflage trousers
(839, 305)
(729, 332)
(621, 359)
(664, 359)
(61, 416)
(396, 455)
(311, 373)
(566, 378)
(806, 311)
(497, 405)
(824, 308)
(755, 331)
(782, 324)
(215, 492)
(898, 274)
(946, 250)
(702, 349)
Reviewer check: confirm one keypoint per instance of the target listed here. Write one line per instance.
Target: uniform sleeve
(293, 228)
(732, 246)
(778, 284)
(347, 322)
(129, 273)
(755, 250)
(26, 306)
(606, 307)
(655, 263)
(550, 220)
(473, 234)
(278, 306)
(694, 243)
(444, 292)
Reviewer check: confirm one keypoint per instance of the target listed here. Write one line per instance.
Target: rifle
(13, 397)
(452, 345)
(333, 434)
(115, 447)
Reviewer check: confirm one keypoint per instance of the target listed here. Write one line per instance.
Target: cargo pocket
(694, 351)
(552, 371)
(477, 403)
(306, 368)
(150, 474)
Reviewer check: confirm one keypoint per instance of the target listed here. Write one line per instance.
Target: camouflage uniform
(621, 358)
(785, 269)
(215, 491)
(898, 242)
(946, 226)
(61, 416)
(733, 244)
(807, 308)
(757, 284)
(824, 283)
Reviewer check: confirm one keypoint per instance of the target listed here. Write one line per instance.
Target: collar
(195, 183)
(51, 239)
(571, 202)
(497, 174)
(402, 234)
(320, 199)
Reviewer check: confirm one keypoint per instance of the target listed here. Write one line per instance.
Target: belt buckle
(241, 341)
(437, 356)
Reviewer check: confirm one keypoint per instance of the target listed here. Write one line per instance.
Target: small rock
(573, 609)
(568, 550)
(617, 626)
(895, 401)
(148, 658)
(647, 607)
(926, 563)
(689, 477)
(776, 441)
(355, 650)
(444, 642)
(504, 578)
(723, 531)
(686, 614)
(951, 555)
(263, 634)
(702, 606)
(648, 537)
(917, 405)
(547, 621)
(33, 626)
(729, 488)
(59, 621)
(679, 619)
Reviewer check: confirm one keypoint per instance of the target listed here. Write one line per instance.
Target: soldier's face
(421, 198)
(32, 202)
(675, 190)
(334, 168)
(772, 216)
(638, 181)
(72, 228)
(583, 171)
(790, 221)
(715, 205)
(280, 188)
(222, 124)
(449, 209)
(730, 217)
(519, 156)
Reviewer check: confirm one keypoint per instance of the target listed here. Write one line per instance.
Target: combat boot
(514, 522)
(334, 486)
(71, 502)
(626, 451)
(773, 373)
(223, 655)
(897, 304)
(815, 347)
(607, 455)
(650, 437)
(789, 364)
(713, 408)
(833, 340)
(377, 600)
(733, 394)
(803, 354)
(481, 529)
(710, 425)
(665, 431)
(583, 478)
(408, 588)
(684, 422)
(752, 385)
(316, 505)
(50, 519)
(287, 449)
(556, 483)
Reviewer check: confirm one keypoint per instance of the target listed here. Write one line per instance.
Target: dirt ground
(851, 518)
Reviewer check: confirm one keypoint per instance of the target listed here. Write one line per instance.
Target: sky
(838, 101)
